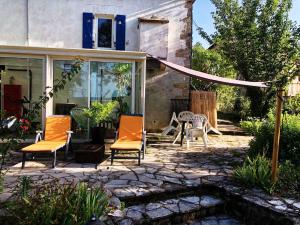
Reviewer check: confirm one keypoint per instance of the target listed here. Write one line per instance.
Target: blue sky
(202, 17)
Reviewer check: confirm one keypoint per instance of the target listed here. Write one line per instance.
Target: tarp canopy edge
(209, 77)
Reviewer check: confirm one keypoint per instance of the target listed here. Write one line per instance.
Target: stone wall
(165, 84)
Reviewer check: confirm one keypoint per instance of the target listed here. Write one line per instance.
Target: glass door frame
(49, 78)
(44, 73)
(48, 54)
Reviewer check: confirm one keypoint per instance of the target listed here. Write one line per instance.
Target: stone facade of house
(294, 87)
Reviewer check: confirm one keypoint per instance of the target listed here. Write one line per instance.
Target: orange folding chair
(56, 136)
(130, 138)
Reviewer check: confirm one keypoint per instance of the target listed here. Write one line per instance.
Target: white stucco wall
(58, 23)
(13, 26)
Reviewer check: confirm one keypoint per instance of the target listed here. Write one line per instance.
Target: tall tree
(261, 42)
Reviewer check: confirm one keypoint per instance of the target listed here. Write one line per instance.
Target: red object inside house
(13, 100)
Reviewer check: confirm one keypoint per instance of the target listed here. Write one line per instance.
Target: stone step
(215, 220)
(230, 129)
(221, 121)
(172, 211)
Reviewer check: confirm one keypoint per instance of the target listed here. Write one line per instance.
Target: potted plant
(99, 113)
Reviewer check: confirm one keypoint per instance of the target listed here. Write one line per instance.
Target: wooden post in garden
(279, 101)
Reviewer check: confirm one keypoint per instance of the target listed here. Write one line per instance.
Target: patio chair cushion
(131, 128)
(127, 145)
(56, 127)
(44, 146)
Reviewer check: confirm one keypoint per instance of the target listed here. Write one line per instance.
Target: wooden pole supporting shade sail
(279, 101)
(241, 83)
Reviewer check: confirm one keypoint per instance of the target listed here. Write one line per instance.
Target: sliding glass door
(97, 81)
(74, 97)
(112, 81)
(21, 84)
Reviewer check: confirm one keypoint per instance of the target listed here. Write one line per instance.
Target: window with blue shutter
(120, 32)
(87, 30)
(104, 34)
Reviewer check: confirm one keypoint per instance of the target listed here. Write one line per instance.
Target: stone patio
(167, 169)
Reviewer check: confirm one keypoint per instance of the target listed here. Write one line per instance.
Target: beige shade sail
(209, 77)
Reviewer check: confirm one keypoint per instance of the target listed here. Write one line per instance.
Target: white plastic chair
(184, 116)
(174, 125)
(199, 124)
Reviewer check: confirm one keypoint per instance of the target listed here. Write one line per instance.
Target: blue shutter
(87, 30)
(120, 32)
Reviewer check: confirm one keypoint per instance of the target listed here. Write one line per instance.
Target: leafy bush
(100, 112)
(288, 183)
(255, 172)
(57, 203)
(289, 141)
(293, 105)
(252, 125)
(24, 186)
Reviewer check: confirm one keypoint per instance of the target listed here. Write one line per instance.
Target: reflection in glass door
(74, 97)
(97, 81)
(112, 81)
(21, 84)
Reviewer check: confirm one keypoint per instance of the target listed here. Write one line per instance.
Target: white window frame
(46, 75)
(95, 30)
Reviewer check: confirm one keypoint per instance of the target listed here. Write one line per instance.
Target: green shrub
(288, 183)
(293, 105)
(251, 126)
(57, 203)
(24, 186)
(100, 112)
(255, 172)
(289, 140)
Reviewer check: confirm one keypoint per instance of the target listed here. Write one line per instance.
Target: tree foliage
(230, 99)
(260, 41)
(212, 62)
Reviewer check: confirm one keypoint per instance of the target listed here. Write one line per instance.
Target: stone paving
(171, 208)
(166, 168)
(216, 220)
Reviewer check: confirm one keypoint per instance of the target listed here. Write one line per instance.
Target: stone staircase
(191, 209)
(215, 220)
(227, 127)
